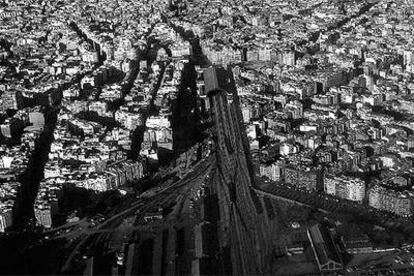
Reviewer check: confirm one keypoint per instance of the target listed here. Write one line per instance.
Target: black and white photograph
(207, 137)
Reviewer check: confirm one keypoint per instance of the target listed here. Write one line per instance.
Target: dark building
(325, 250)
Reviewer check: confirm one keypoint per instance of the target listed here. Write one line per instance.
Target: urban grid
(206, 137)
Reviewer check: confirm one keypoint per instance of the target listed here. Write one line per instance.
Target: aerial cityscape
(206, 137)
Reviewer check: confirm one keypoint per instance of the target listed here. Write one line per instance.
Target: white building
(345, 187)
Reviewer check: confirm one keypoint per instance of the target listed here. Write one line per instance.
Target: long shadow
(185, 115)
(31, 178)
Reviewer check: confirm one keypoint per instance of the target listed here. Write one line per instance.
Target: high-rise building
(37, 119)
(273, 171)
(43, 215)
(304, 177)
(6, 218)
(400, 203)
(345, 187)
(11, 100)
